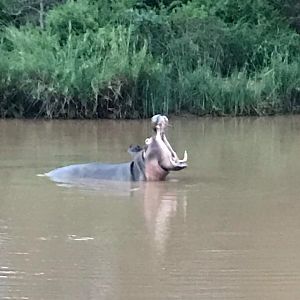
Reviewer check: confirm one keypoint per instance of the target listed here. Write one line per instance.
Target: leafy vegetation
(129, 58)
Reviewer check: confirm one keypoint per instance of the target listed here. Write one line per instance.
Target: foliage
(131, 58)
(19, 12)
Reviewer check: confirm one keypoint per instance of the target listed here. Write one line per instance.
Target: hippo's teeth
(177, 162)
(185, 157)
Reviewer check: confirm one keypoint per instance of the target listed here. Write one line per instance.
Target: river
(227, 227)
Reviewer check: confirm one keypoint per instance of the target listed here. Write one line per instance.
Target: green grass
(203, 59)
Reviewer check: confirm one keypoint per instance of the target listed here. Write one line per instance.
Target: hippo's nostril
(159, 122)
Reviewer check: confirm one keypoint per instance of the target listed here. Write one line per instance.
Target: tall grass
(124, 62)
(89, 76)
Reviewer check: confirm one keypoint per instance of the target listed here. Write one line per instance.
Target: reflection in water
(160, 205)
(228, 227)
(160, 202)
(105, 187)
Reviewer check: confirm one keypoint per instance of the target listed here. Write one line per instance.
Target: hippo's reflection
(160, 205)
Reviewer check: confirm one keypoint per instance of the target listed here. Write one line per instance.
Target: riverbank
(133, 59)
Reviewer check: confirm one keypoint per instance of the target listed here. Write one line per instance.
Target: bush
(73, 17)
(88, 77)
(124, 59)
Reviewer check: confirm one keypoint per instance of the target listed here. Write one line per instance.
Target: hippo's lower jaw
(179, 164)
(153, 162)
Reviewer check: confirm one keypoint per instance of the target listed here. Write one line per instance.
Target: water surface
(228, 227)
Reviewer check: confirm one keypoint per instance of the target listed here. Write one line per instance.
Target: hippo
(152, 162)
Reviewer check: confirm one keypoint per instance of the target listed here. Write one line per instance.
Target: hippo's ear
(134, 149)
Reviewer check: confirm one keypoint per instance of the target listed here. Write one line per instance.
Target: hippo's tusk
(185, 158)
(177, 162)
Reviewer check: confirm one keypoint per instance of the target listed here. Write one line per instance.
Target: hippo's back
(92, 171)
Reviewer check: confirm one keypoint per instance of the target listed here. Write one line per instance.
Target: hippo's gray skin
(152, 162)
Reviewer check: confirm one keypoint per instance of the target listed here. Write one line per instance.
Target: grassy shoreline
(122, 60)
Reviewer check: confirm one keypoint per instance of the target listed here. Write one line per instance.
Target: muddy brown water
(227, 227)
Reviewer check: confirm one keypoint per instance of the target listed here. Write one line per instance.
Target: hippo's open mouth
(177, 163)
(159, 124)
